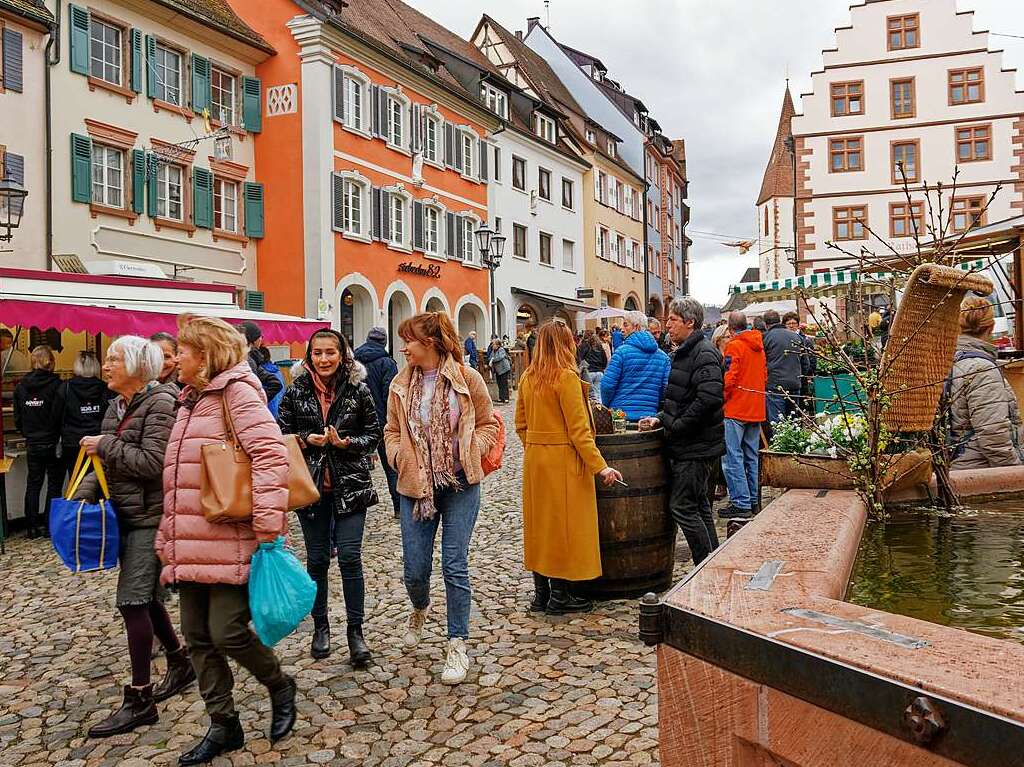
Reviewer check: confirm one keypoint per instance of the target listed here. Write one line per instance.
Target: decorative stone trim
(112, 135)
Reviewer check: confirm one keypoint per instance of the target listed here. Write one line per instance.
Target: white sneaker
(456, 665)
(414, 633)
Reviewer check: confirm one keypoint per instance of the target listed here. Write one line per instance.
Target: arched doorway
(526, 315)
(562, 316)
(502, 328)
(471, 318)
(434, 304)
(357, 314)
(631, 305)
(399, 309)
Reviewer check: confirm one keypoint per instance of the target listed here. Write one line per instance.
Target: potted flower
(619, 421)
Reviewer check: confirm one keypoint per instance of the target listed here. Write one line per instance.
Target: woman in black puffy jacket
(331, 411)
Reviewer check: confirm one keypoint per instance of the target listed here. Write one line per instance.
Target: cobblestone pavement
(541, 691)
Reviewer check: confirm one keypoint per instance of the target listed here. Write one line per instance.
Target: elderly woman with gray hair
(131, 444)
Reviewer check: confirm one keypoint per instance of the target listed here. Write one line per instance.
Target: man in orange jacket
(746, 376)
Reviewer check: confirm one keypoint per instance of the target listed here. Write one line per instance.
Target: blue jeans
(324, 530)
(739, 464)
(780, 405)
(457, 509)
(595, 385)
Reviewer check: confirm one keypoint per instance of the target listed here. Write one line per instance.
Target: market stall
(78, 312)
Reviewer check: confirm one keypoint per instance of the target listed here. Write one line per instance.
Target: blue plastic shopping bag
(281, 593)
(85, 535)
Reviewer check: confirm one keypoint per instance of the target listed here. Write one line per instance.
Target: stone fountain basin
(710, 715)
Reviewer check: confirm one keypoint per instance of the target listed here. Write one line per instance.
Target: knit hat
(377, 335)
(251, 331)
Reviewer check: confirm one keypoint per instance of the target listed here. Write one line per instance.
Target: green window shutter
(78, 31)
(200, 84)
(81, 168)
(202, 198)
(255, 301)
(150, 67)
(253, 194)
(252, 104)
(151, 171)
(138, 181)
(136, 46)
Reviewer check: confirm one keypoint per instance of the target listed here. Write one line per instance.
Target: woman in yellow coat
(560, 459)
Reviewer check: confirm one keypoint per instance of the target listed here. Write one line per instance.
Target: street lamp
(12, 203)
(492, 247)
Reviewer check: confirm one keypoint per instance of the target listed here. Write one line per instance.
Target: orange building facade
(374, 165)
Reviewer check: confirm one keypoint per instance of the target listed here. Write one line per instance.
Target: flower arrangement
(843, 434)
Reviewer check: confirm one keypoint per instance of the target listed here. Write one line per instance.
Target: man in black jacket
(254, 337)
(380, 370)
(788, 363)
(693, 419)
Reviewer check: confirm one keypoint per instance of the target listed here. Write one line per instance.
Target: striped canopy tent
(832, 283)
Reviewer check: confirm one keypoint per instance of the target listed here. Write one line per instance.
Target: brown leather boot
(137, 709)
(180, 675)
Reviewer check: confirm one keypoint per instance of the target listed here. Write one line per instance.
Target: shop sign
(424, 270)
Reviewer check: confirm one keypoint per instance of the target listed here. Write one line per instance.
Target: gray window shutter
(14, 169)
(375, 127)
(414, 126)
(497, 164)
(449, 144)
(485, 150)
(339, 94)
(375, 231)
(449, 229)
(337, 202)
(385, 216)
(417, 225)
(459, 249)
(382, 118)
(459, 163)
(12, 60)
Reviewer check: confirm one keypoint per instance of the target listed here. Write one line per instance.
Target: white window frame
(468, 224)
(550, 263)
(220, 183)
(545, 127)
(572, 256)
(591, 136)
(620, 249)
(355, 79)
(404, 199)
(470, 153)
(572, 193)
(397, 98)
(441, 212)
(526, 241)
(526, 169)
(356, 179)
(541, 171)
(161, 84)
(105, 152)
(117, 66)
(495, 99)
(163, 191)
(216, 106)
(612, 152)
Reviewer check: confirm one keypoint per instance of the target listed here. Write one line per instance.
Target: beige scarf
(433, 444)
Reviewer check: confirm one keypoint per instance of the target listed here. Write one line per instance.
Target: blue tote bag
(85, 535)
(281, 593)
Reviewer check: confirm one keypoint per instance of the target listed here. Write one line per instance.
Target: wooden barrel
(638, 536)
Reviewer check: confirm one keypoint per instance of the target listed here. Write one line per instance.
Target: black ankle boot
(359, 653)
(137, 709)
(320, 647)
(225, 734)
(541, 593)
(282, 710)
(563, 602)
(179, 677)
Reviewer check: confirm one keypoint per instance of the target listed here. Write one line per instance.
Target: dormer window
(495, 100)
(545, 128)
(591, 137)
(611, 148)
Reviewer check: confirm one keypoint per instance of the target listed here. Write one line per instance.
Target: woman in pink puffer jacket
(209, 562)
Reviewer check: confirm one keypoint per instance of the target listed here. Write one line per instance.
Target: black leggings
(142, 623)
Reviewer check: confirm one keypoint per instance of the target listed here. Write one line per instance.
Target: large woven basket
(922, 341)
(817, 471)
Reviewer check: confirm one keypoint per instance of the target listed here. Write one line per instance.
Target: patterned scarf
(433, 444)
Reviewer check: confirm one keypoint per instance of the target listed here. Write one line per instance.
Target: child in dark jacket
(38, 405)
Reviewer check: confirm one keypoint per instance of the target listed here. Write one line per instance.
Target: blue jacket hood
(642, 340)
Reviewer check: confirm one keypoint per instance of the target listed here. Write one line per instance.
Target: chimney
(531, 23)
(519, 34)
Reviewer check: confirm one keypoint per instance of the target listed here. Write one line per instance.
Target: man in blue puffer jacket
(637, 374)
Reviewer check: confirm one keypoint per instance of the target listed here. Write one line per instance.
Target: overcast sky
(712, 72)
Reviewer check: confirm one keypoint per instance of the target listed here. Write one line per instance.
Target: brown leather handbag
(226, 477)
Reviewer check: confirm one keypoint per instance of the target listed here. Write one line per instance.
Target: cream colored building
(155, 107)
(911, 85)
(24, 31)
